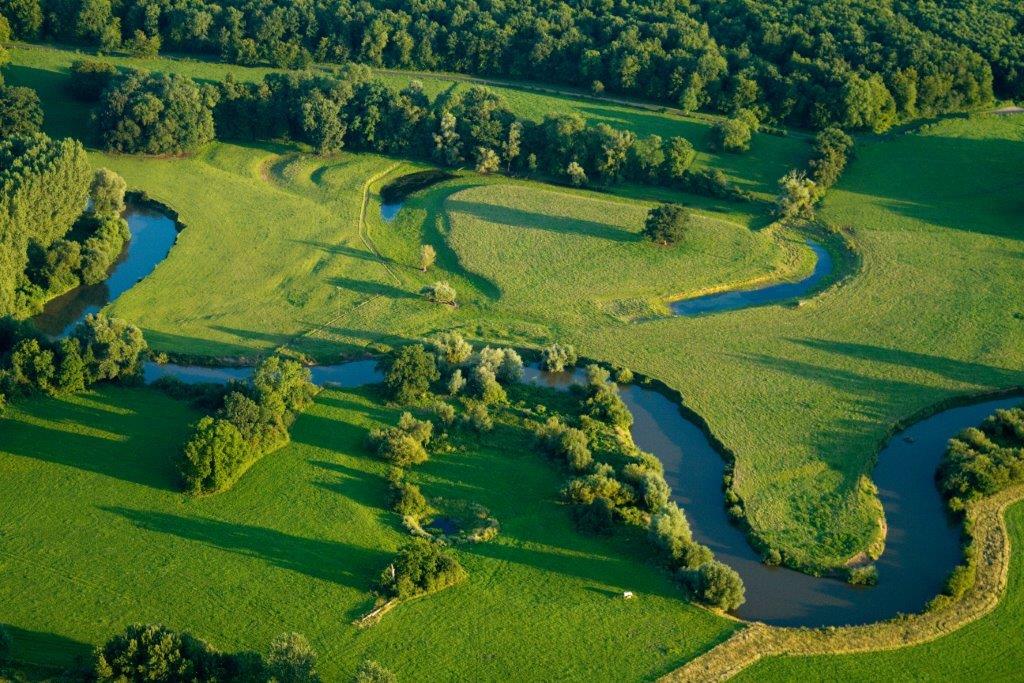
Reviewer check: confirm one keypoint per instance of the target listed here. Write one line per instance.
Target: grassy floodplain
(298, 542)
(802, 395)
(984, 650)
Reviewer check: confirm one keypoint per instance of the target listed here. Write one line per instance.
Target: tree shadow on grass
(493, 213)
(322, 559)
(959, 371)
(339, 250)
(49, 650)
(113, 443)
(371, 288)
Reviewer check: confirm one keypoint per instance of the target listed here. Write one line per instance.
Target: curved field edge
(846, 264)
(758, 641)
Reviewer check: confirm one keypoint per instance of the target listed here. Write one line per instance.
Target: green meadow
(285, 249)
(984, 650)
(94, 520)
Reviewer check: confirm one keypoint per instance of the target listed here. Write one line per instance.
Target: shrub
(671, 533)
(291, 659)
(440, 293)
(575, 173)
(961, 579)
(605, 404)
(601, 483)
(863, 576)
(478, 418)
(214, 456)
(558, 357)
(370, 671)
(89, 78)
(445, 412)
(283, 381)
(565, 442)
(113, 347)
(984, 460)
(420, 567)
(402, 445)
(717, 585)
(487, 387)
(408, 500)
(410, 374)
(731, 135)
(832, 149)
(107, 191)
(451, 348)
(428, 255)
(666, 224)
(108, 235)
(796, 197)
(456, 383)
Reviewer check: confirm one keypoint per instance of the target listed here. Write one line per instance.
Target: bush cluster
(420, 567)
(558, 357)
(151, 652)
(404, 444)
(252, 421)
(99, 348)
(984, 460)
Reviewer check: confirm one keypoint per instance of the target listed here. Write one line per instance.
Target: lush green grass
(93, 535)
(45, 67)
(802, 395)
(987, 649)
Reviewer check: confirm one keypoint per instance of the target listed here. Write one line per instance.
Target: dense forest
(854, 64)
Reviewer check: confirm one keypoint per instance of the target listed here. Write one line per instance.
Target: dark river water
(735, 299)
(153, 234)
(923, 542)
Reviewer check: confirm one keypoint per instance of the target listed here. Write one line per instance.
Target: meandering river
(152, 236)
(735, 299)
(922, 546)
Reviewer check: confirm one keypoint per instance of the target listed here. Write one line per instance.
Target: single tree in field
(666, 224)
(440, 293)
(107, 191)
(796, 197)
(427, 257)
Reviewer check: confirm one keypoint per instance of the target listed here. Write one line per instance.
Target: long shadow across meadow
(107, 450)
(341, 563)
(541, 221)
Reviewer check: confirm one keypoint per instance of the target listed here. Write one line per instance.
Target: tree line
(246, 421)
(805, 62)
(50, 242)
(350, 109)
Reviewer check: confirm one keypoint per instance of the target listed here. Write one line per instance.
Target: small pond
(389, 211)
(152, 236)
(444, 525)
(735, 299)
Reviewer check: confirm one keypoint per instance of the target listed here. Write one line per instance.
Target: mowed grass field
(94, 535)
(986, 650)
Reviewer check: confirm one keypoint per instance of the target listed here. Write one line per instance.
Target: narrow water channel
(735, 299)
(152, 236)
(923, 542)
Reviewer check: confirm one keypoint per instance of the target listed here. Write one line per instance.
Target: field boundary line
(748, 646)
